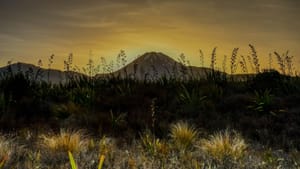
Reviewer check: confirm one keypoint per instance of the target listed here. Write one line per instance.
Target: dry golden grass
(6, 150)
(183, 135)
(5, 146)
(224, 145)
(217, 147)
(73, 141)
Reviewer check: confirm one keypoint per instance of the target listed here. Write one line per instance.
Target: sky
(35, 29)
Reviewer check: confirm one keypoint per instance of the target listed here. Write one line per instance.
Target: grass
(74, 165)
(183, 135)
(72, 161)
(224, 145)
(73, 141)
(222, 149)
(5, 150)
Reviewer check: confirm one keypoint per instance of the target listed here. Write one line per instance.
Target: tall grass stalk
(255, 58)
(50, 62)
(270, 61)
(213, 59)
(101, 161)
(233, 61)
(224, 63)
(251, 63)
(243, 64)
(280, 62)
(201, 56)
(72, 161)
(289, 63)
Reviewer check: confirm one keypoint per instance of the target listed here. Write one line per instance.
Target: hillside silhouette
(150, 65)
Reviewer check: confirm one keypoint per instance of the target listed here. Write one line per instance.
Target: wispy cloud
(102, 24)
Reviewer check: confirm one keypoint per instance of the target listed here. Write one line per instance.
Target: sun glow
(171, 27)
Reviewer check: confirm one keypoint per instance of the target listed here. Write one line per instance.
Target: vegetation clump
(183, 135)
(225, 145)
(73, 141)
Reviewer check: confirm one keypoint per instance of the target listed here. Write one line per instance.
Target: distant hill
(37, 73)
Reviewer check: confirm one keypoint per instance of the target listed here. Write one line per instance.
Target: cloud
(67, 25)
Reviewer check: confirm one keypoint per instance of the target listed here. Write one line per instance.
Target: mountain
(154, 65)
(37, 73)
(150, 66)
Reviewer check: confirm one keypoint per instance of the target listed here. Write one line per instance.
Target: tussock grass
(225, 149)
(224, 145)
(183, 135)
(73, 141)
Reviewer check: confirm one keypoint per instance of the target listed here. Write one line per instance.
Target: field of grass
(212, 122)
(183, 148)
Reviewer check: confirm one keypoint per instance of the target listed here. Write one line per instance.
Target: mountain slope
(154, 65)
(37, 73)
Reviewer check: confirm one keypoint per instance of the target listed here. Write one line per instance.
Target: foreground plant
(3, 161)
(73, 141)
(224, 146)
(262, 102)
(148, 143)
(154, 146)
(5, 150)
(183, 135)
(74, 165)
(72, 161)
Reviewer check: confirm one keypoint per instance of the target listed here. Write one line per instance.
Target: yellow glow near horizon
(34, 30)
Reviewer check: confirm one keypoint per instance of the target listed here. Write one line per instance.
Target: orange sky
(32, 29)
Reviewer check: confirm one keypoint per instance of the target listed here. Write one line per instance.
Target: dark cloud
(71, 24)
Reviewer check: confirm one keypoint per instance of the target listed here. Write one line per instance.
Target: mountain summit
(154, 65)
